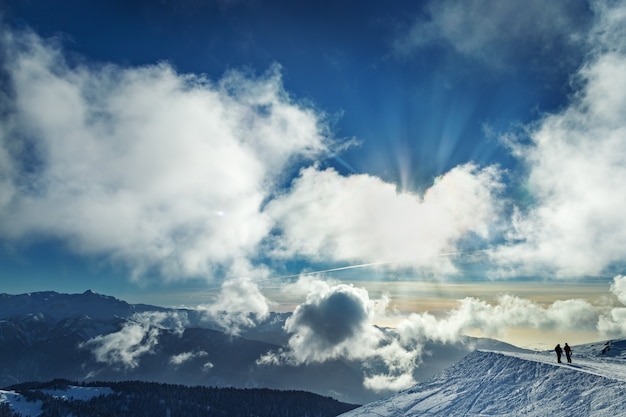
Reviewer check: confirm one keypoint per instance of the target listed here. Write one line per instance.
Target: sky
(445, 168)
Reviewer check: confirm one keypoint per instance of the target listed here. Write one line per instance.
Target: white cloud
(361, 218)
(173, 321)
(239, 304)
(124, 347)
(495, 319)
(618, 288)
(499, 33)
(394, 383)
(613, 323)
(138, 336)
(576, 171)
(186, 356)
(156, 169)
(336, 321)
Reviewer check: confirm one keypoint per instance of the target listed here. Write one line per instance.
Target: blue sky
(207, 151)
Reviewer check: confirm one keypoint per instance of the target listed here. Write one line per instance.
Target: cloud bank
(177, 176)
(576, 171)
(361, 218)
(155, 169)
(337, 322)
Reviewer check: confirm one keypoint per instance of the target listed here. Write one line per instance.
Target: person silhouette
(568, 353)
(559, 352)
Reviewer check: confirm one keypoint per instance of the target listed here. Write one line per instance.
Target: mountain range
(95, 337)
(92, 338)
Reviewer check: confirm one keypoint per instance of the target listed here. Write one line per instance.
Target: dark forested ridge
(5, 410)
(137, 399)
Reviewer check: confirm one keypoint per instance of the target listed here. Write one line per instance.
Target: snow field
(487, 383)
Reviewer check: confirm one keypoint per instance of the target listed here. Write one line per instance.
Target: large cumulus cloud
(337, 322)
(361, 218)
(572, 226)
(157, 170)
(179, 175)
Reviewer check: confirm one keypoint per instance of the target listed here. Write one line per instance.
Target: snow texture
(487, 383)
(18, 402)
(78, 393)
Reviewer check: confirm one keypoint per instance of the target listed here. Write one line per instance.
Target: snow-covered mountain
(487, 383)
(53, 305)
(89, 336)
(93, 337)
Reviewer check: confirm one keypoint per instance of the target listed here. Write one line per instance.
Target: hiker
(568, 353)
(559, 352)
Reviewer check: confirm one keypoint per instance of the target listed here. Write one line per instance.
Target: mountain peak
(58, 306)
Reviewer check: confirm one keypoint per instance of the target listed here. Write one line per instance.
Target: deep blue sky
(427, 108)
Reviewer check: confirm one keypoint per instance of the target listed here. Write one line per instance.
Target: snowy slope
(19, 404)
(489, 383)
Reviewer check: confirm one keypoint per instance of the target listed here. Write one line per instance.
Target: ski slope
(488, 383)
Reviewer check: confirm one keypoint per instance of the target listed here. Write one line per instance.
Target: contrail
(341, 268)
(365, 265)
(355, 266)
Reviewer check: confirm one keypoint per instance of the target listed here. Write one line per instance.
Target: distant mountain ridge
(54, 305)
(85, 337)
(45, 335)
